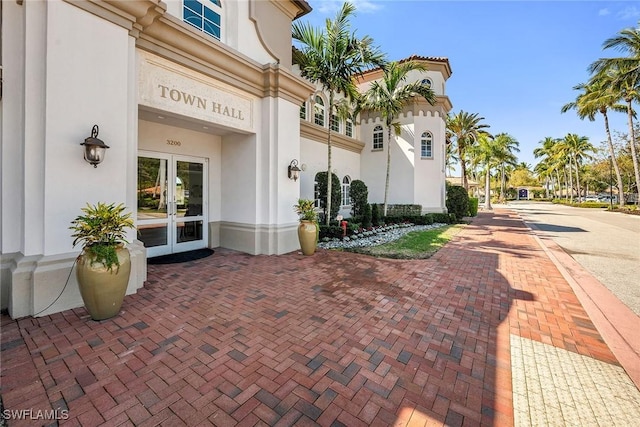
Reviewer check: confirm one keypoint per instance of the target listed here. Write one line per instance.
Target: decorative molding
(319, 134)
(176, 41)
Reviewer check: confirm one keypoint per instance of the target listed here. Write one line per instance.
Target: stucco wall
(313, 156)
(79, 94)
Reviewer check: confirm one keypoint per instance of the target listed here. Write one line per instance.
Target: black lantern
(294, 170)
(94, 149)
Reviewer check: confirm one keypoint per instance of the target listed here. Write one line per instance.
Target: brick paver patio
(332, 339)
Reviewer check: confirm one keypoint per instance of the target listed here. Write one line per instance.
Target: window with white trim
(303, 111)
(335, 124)
(378, 138)
(319, 112)
(426, 145)
(348, 128)
(205, 15)
(426, 82)
(346, 191)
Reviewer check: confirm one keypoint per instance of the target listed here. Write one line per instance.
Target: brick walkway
(332, 339)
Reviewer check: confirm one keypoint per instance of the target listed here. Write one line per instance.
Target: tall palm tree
(506, 145)
(578, 149)
(626, 79)
(597, 97)
(486, 151)
(332, 57)
(389, 96)
(465, 128)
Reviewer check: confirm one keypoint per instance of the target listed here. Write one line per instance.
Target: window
(335, 124)
(204, 15)
(303, 111)
(426, 82)
(378, 138)
(348, 128)
(346, 191)
(426, 146)
(319, 112)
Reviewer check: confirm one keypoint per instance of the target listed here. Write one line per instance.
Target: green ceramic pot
(103, 290)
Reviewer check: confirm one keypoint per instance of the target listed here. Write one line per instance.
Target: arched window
(426, 146)
(205, 15)
(426, 82)
(335, 124)
(348, 128)
(378, 138)
(346, 191)
(319, 112)
(303, 111)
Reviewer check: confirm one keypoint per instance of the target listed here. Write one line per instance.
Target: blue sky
(514, 62)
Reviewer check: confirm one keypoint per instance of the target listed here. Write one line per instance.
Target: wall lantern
(94, 148)
(294, 170)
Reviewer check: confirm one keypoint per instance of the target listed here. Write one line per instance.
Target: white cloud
(331, 6)
(629, 12)
(604, 12)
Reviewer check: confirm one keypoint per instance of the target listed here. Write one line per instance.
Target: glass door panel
(153, 201)
(189, 197)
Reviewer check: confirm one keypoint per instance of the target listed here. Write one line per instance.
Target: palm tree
(578, 148)
(465, 129)
(626, 79)
(389, 96)
(597, 97)
(548, 165)
(332, 57)
(506, 145)
(450, 158)
(486, 152)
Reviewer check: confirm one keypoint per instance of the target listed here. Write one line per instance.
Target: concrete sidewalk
(487, 332)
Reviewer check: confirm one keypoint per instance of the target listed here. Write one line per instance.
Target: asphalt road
(607, 244)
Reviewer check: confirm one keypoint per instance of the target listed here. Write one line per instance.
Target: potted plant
(308, 228)
(104, 265)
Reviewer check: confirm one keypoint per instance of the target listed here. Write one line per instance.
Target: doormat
(181, 257)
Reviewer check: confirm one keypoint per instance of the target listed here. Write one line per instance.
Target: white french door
(172, 203)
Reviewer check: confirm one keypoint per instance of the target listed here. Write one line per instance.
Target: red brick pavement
(333, 339)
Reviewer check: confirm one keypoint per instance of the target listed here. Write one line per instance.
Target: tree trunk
(559, 182)
(575, 160)
(329, 173)
(613, 159)
(632, 144)
(386, 184)
(463, 165)
(487, 189)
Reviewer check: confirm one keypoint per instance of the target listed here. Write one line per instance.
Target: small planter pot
(307, 234)
(103, 290)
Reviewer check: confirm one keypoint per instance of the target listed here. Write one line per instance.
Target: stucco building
(201, 108)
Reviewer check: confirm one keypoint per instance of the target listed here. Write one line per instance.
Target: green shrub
(330, 231)
(359, 197)
(375, 215)
(403, 210)
(473, 206)
(366, 216)
(428, 219)
(457, 201)
(336, 191)
(441, 218)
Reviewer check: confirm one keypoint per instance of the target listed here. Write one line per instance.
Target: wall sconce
(94, 149)
(293, 170)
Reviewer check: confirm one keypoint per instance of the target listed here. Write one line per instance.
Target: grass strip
(413, 245)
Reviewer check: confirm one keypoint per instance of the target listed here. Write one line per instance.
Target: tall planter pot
(307, 234)
(103, 290)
